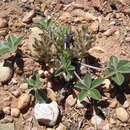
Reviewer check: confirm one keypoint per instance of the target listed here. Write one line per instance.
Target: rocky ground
(108, 21)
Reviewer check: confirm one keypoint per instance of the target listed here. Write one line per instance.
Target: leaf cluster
(66, 66)
(10, 45)
(116, 69)
(88, 88)
(37, 86)
(61, 37)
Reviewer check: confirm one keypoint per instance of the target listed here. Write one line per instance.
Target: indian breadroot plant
(61, 37)
(61, 46)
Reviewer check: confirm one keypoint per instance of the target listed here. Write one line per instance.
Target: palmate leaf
(83, 94)
(118, 78)
(81, 86)
(34, 81)
(88, 88)
(97, 82)
(87, 81)
(110, 72)
(10, 45)
(114, 61)
(71, 67)
(13, 42)
(68, 76)
(59, 72)
(3, 51)
(116, 68)
(124, 66)
(95, 94)
(40, 96)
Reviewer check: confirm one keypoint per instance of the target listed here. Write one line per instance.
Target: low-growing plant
(116, 68)
(37, 86)
(88, 88)
(10, 45)
(66, 67)
(61, 37)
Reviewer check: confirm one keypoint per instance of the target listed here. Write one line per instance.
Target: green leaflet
(116, 69)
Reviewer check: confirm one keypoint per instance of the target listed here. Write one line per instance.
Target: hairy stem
(93, 67)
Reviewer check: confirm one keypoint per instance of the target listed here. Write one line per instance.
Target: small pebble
(41, 73)
(15, 112)
(106, 84)
(23, 101)
(114, 103)
(112, 121)
(109, 32)
(16, 93)
(127, 11)
(6, 74)
(3, 23)
(3, 32)
(126, 104)
(51, 94)
(37, 19)
(122, 114)
(46, 73)
(71, 100)
(96, 120)
(49, 85)
(28, 16)
(7, 110)
(94, 27)
(127, 39)
(23, 86)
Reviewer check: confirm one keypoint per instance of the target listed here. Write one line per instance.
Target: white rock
(6, 74)
(15, 112)
(23, 101)
(23, 86)
(122, 114)
(47, 113)
(106, 84)
(96, 120)
(3, 23)
(109, 32)
(6, 110)
(126, 104)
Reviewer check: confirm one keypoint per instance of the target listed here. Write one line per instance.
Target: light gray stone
(47, 113)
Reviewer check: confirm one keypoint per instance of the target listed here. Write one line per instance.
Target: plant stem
(78, 77)
(93, 67)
